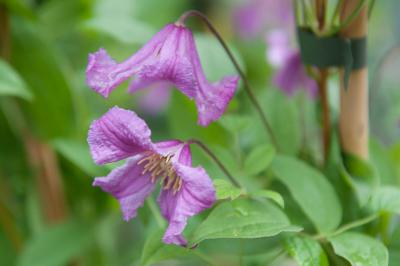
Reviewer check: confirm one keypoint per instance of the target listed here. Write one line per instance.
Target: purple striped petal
(128, 185)
(117, 135)
(197, 194)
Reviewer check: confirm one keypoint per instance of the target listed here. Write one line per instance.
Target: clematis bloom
(170, 56)
(291, 74)
(185, 190)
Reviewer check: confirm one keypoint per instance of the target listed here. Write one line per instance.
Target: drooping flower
(275, 20)
(292, 76)
(185, 190)
(170, 56)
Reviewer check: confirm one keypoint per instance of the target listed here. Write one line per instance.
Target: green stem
(216, 160)
(349, 19)
(154, 210)
(348, 226)
(370, 8)
(336, 13)
(235, 63)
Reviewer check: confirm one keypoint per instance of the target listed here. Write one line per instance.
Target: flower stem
(216, 160)
(246, 83)
(348, 226)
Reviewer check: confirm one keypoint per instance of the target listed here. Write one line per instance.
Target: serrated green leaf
(243, 219)
(269, 194)
(11, 84)
(360, 249)
(306, 251)
(311, 190)
(57, 245)
(386, 199)
(225, 190)
(259, 159)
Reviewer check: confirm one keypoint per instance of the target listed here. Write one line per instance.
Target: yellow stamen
(161, 166)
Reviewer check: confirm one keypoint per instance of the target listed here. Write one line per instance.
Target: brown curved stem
(247, 87)
(216, 160)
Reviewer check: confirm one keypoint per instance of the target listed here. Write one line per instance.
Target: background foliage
(292, 210)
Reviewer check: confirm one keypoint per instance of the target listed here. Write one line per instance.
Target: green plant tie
(332, 51)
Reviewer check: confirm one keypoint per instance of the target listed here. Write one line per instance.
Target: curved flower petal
(197, 194)
(103, 74)
(128, 185)
(212, 100)
(171, 64)
(117, 135)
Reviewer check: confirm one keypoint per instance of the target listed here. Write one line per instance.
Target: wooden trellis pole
(353, 118)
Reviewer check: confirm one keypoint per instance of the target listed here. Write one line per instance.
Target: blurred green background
(49, 212)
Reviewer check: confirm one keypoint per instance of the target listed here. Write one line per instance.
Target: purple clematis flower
(170, 56)
(292, 76)
(186, 190)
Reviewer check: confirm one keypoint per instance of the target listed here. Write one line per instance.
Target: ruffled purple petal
(171, 64)
(103, 74)
(117, 135)
(197, 194)
(128, 185)
(213, 99)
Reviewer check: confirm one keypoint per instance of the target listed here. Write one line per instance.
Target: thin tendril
(216, 160)
(246, 83)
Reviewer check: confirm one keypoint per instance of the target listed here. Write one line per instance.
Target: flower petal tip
(99, 67)
(213, 103)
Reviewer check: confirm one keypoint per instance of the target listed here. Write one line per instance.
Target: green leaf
(243, 219)
(386, 198)
(215, 62)
(269, 194)
(11, 84)
(312, 191)
(57, 245)
(306, 251)
(259, 159)
(182, 111)
(155, 250)
(361, 176)
(77, 153)
(234, 122)
(52, 112)
(225, 190)
(123, 29)
(360, 249)
(284, 117)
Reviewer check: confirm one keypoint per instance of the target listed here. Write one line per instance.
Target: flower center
(161, 166)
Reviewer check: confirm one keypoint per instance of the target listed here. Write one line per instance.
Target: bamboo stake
(353, 118)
